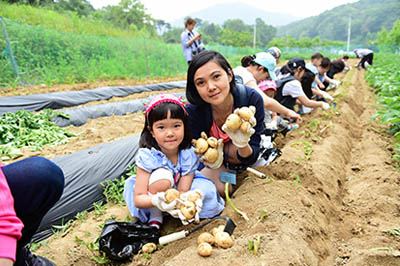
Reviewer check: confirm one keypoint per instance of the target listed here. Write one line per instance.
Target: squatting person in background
(366, 55)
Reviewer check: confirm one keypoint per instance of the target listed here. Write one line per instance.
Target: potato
(193, 197)
(244, 127)
(212, 142)
(223, 240)
(206, 237)
(201, 145)
(149, 248)
(171, 194)
(215, 230)
(211, 154)
(245, 113)
(204, 249)
(188, 209)
(233, 122)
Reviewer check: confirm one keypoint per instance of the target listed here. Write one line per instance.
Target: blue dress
(188, 162)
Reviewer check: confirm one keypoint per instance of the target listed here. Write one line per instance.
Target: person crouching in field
(166, 160)
(290, 91)
(367, 57)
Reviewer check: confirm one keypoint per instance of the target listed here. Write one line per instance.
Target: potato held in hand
(171, 194)
(207, 148)
(233, 122)
(188, 209)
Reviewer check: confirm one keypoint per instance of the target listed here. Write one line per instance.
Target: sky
(170, 10)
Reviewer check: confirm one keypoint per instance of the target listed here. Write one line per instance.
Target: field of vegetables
(330, 199)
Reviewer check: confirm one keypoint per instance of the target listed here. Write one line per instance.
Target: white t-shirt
(244, 74)
(364, 52)
(293, 88)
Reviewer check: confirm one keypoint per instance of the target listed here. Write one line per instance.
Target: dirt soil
(332, 198)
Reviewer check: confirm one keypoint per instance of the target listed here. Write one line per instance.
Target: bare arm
(6, 262)
(185, 182)
(320, 84)
(272, 104)
(142, 199)
(309, 103)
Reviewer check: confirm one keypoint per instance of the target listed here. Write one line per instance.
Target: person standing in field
(366, 55)
(191, 40)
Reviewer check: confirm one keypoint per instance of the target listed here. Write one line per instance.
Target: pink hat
(267, 85)
(161, 98)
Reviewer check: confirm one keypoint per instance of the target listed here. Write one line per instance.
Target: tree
(236, 25)
(238, 39)
(210, 32)
(264, 33)
(82, 7)
(162, 26)
(172, 36)
(127, 13)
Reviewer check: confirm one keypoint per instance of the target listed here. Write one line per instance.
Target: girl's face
(168, 133)
(261, 73)
(299, 73)
(212, 83)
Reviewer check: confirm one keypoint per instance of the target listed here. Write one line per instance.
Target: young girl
(166, 160)
(291, 92)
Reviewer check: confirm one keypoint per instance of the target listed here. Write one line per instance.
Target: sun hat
(161, 98)
(267, 85)
(268, 61)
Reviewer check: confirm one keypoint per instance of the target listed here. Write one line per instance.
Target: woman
(212, 92)
(259, 67)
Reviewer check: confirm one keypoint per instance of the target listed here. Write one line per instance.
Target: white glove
(271, 125)
(217, 164)
(159, 201)
(335, 82)
(325, 106)
(239, 139)
(177, 213)
(327, 96)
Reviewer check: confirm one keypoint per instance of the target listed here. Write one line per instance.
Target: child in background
(167, 160)
(272, 120)
(316, 60)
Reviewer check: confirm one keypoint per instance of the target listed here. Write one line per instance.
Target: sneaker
(26, 258)
(155, 224)
(292, 127)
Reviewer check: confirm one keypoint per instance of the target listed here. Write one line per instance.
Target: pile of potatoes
(217, 237)
(241, 119)
(188, 206)
(207, 147)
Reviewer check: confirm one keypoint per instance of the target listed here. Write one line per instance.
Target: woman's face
(299, 73)
(212, 83)
(260, 73)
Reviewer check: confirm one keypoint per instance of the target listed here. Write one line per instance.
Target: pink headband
(165, 98)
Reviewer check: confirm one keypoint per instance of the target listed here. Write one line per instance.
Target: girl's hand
(159, 201)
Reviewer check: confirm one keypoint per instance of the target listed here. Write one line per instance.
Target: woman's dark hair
(345, 57)
(326, 62)
(198, 61)
(160, 112)
(248, 60)
(338, 65)
(189, 21)
(306, 83)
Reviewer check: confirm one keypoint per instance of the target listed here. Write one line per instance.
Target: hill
(367, 18)
(220, 13)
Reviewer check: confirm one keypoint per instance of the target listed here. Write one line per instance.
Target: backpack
(287, 101)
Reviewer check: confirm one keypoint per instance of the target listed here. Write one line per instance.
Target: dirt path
(333, 198)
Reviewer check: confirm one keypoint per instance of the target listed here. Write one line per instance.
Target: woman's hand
(239, 126)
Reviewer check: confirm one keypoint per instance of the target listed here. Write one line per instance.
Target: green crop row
(384, 75)
(26, 129)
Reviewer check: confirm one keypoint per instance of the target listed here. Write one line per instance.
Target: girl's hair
(292, 65)
(198, 61)
(326, 62)
(160, 112)
(345, 57)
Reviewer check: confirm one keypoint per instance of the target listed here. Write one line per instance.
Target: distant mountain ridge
(367, 18)
(220, 13)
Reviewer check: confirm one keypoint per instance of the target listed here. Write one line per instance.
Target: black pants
(368, 58)
(36, 184)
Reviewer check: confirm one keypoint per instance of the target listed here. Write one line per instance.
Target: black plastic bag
(121, 240)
